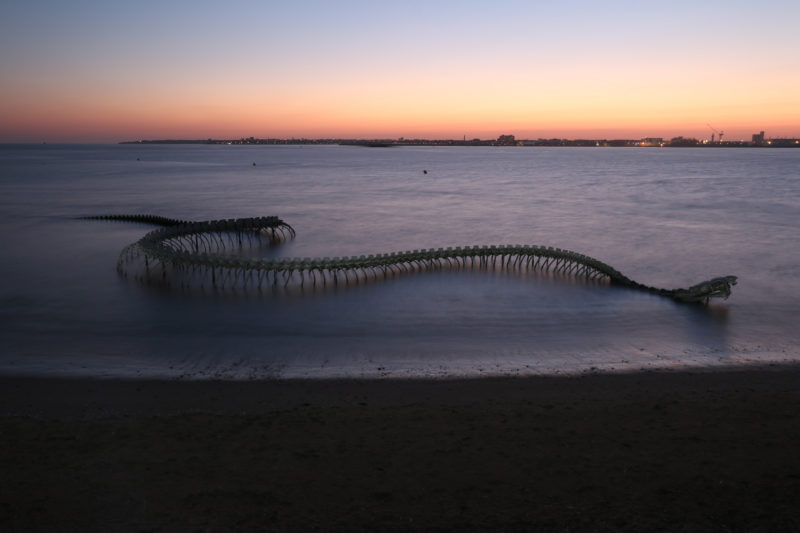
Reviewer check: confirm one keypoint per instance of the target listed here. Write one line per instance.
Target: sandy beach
(665, 451)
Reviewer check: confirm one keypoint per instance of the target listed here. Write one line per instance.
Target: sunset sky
(82, 71)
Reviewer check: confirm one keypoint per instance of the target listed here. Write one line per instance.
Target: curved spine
(193, 248)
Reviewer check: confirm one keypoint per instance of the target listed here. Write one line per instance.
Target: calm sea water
(664, 217)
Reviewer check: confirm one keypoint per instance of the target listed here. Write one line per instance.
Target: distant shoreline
(679, 142)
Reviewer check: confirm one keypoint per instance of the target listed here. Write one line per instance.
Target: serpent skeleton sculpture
(192, 252)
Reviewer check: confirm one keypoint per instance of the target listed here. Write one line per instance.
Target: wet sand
(700, 451)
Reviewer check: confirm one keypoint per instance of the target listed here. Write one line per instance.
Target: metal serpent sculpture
(201, 252)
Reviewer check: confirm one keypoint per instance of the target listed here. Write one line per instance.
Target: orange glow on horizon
(387, 70)
(436, 118)
(442, 107)
(559, 102)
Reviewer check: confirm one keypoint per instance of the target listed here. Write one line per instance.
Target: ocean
(663, 217)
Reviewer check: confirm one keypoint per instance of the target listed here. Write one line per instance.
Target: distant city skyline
(93, 71)
(757, 140)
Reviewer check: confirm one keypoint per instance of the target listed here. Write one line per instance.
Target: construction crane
(715, 130)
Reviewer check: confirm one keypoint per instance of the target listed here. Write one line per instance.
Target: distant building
(784, 143)
(507, 140)
(683, 141)
(758, 138)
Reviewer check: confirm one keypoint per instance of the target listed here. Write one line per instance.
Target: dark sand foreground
(709, 451)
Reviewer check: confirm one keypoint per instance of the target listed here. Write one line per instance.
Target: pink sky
(98, 73)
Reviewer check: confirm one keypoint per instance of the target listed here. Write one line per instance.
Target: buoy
(254, 163)
(424, 171)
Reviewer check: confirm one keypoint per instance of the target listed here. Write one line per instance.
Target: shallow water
(664, 217)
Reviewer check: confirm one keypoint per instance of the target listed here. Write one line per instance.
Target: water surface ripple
(664, 217)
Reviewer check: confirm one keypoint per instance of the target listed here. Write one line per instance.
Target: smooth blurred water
(664, 217)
